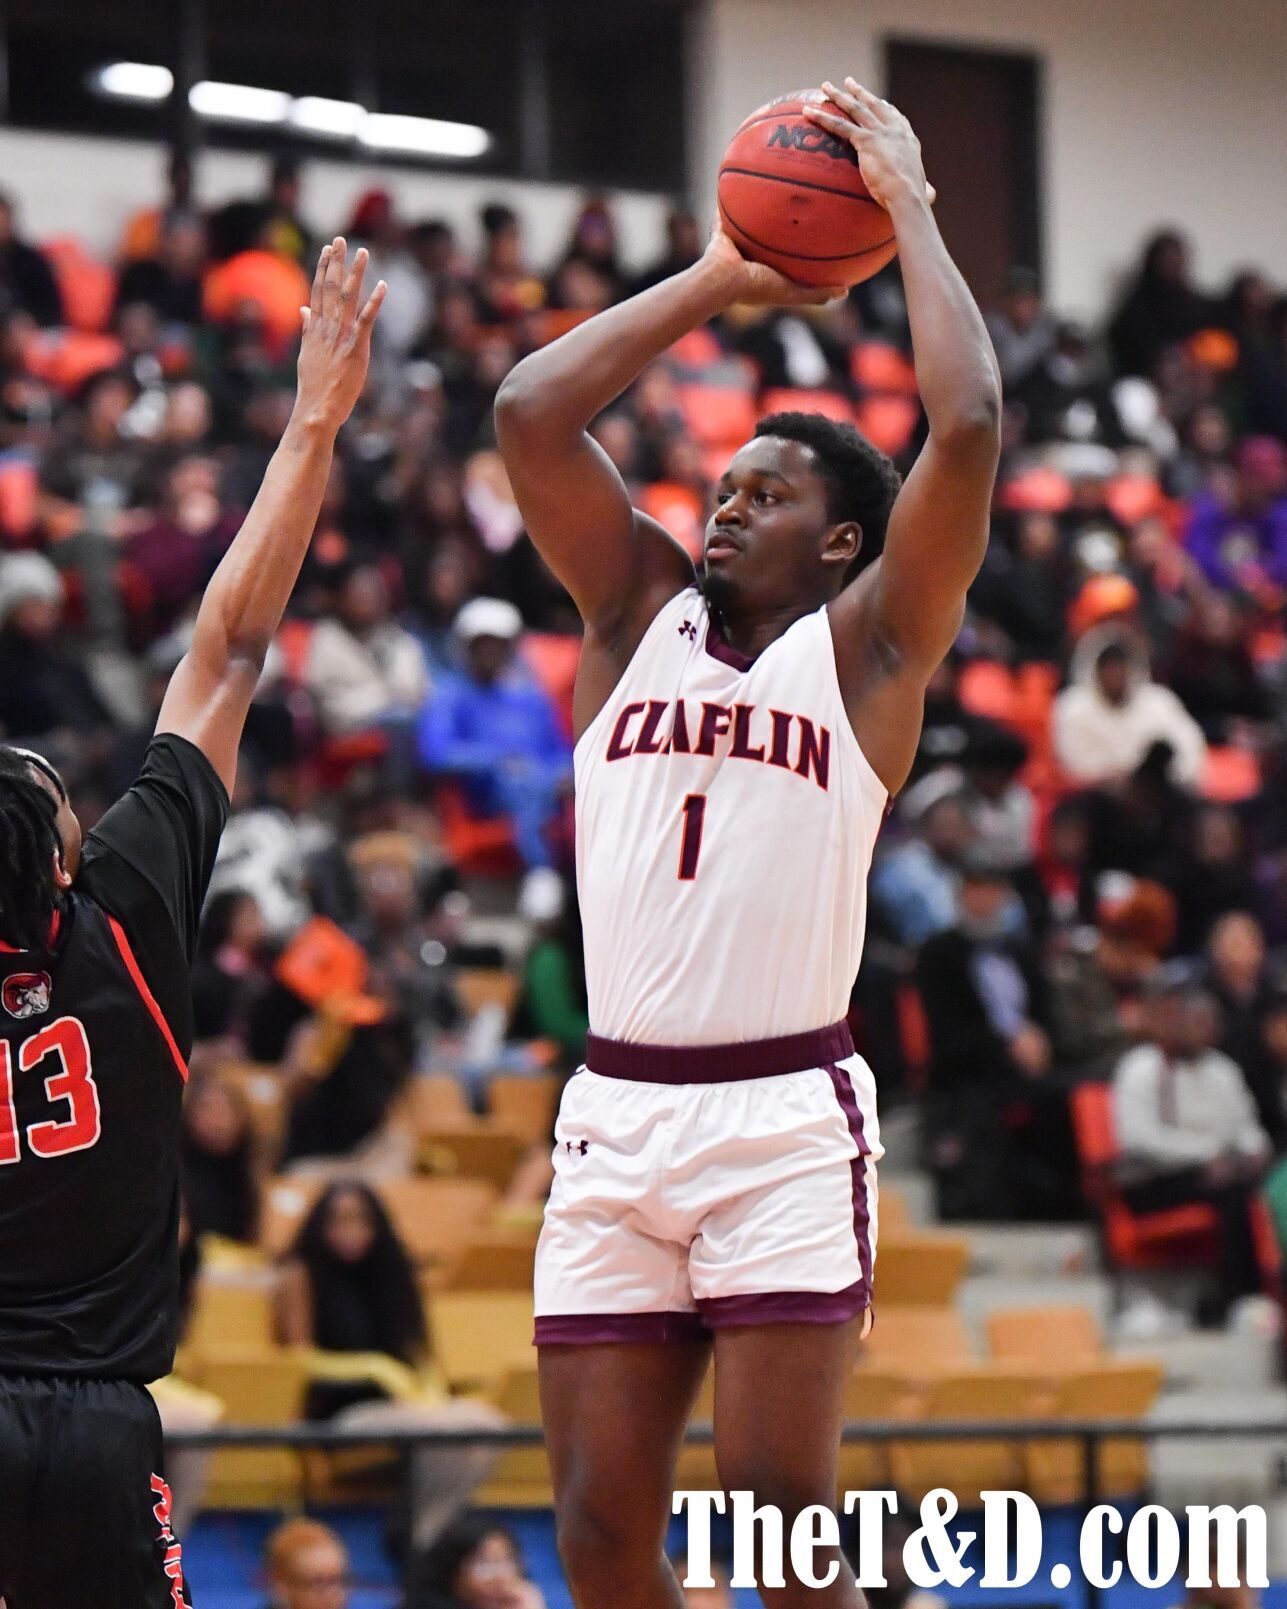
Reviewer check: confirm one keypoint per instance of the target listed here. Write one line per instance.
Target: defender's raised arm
(210, 693)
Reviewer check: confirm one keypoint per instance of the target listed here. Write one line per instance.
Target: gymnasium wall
(75, 185)
(1155, 111)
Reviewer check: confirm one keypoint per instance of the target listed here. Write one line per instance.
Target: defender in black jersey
(96, 943)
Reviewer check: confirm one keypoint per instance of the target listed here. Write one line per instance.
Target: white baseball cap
(488, 617)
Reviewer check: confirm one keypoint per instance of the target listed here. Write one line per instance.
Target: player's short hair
(29, 842)
(861, 481)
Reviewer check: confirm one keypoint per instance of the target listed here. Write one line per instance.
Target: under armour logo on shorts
(581, 1146)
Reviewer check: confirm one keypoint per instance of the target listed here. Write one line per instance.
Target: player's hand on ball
(336, 345)
(754, 284)
(889, 154)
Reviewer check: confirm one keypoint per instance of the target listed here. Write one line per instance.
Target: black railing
(1090, 1434)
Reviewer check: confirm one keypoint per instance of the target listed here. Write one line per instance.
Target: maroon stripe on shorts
(843, 1086)
(719, 1064)
(585, 1329)
(785, 1307)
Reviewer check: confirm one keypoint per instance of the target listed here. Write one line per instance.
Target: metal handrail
(1090, 1433)
(323, 1434)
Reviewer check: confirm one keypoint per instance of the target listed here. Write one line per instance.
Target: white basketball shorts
(709, 1185)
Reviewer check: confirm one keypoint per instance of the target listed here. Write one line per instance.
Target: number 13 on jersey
(72, 1081)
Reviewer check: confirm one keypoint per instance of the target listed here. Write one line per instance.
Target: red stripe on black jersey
(146, 995)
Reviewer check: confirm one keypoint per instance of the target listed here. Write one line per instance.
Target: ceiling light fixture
(309, 114)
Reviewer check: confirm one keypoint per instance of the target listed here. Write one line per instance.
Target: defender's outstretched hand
(889, 154)
(210, 693)
(336, 346)
(757, 285)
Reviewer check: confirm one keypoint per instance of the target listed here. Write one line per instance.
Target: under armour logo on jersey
(581, 1146)
(26, 994)
(689, 630)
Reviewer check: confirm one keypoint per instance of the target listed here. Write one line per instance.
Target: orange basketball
(791, 195)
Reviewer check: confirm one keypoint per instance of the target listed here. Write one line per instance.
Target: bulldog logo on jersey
(26, 994)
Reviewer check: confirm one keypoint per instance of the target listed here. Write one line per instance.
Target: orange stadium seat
(482, 845)
(493, 1263)
(1134, 1240)
(873, 1395)
(1037, 490)
(18, 496)
(437, 1100)
(258, 1386)
(1055, 1470)
(478, 1336)
(679, 510)
(1230, 775)
(970, 1467)
(887, 421)
(878, 366)
(520, 1478)
(87, 286)
(67, 358)
(696, 350)
(1058, 1337)
(919, 1270)
(525, 1104)
(231, 1308)
(436, 1218)
(916, 1342)
(472, 1153)
(551, 322)
(783, 399)
(717, 415)
(553, 657)
(988, 688)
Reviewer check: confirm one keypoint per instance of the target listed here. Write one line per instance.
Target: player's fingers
(834, 123)
(931, 192)
(366, 318)
(848, 104)
(351, 291)
(315, 301)
(334, 278)
(305, 313)
(820, 295)
(871, 102)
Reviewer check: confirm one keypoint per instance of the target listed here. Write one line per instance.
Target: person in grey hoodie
(1112, 713)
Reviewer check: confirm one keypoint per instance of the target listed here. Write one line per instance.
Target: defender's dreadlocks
(29, 841)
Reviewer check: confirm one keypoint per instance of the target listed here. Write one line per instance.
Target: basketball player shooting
(96, 944)
(738, 737)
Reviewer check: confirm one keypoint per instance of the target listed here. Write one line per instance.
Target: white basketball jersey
(725, 821)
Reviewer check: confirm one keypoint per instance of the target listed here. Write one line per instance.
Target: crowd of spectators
(1100, 794)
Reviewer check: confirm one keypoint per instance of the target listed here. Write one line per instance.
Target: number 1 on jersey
(690, 846)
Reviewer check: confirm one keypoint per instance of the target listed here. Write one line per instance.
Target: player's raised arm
(618, 565)
(938, 528)
(210, 693)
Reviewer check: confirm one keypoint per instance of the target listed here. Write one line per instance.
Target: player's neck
(750, 632)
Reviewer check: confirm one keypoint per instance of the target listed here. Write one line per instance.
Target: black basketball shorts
(84, 1511)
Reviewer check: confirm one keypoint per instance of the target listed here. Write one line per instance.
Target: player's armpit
(895, 624)
(612, 559)
(935, 543)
